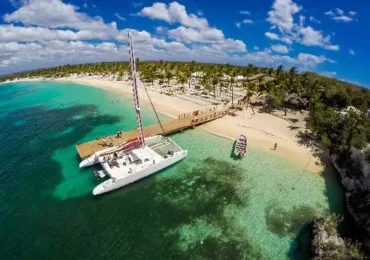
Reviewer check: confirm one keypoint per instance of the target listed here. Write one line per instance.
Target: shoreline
(263, 130)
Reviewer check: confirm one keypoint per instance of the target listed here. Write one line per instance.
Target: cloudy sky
(329, 37)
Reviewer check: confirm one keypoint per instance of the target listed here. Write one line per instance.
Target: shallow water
(208, 206)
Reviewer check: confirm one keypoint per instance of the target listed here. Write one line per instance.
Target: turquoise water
(208, 206)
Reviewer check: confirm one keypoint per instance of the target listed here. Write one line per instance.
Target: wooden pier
(184, 121)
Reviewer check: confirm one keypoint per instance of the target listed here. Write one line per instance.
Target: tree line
(326, 97)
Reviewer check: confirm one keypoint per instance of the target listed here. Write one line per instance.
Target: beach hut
(257, 77)
(197, 74)
(240, 78)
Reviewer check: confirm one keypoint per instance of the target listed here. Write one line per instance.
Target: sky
(328, 37)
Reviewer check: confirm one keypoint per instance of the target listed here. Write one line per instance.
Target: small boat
(240, 146)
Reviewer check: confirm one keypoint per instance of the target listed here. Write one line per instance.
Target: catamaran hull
(90, 161)
(109, 185)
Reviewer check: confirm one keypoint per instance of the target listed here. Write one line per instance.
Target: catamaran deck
(183, 122)
(125, 168)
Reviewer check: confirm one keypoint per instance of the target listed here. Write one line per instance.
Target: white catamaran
(138, 158)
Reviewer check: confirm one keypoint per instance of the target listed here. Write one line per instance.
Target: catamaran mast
(135, 90)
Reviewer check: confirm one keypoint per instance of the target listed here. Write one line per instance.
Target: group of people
(110, 142)
(111, 161)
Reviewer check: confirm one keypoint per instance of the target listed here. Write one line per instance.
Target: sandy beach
(262, 129)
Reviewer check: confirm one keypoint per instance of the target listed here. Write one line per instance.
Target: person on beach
(104, 141)
(110, 142)
(275, 146)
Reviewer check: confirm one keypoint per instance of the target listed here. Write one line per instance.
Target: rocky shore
(354, 170)
(326, 243)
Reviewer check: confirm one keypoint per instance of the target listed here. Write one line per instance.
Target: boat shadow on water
(232, 154)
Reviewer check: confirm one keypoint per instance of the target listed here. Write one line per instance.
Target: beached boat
(137, 158)
(240, 146)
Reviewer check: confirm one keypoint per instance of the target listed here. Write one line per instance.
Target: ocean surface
(209, 206)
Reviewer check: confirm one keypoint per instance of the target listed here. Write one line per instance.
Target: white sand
(263, 130)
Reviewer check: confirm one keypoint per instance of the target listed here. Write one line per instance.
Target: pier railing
(198, 112)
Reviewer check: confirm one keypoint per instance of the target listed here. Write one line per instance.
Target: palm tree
(314, 90)
(233, 74)
(215, 80)
(292, 74)
(279, 72)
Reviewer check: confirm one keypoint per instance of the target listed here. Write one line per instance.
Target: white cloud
(279, 48)
(264, 58)
(339, 15)
(119, 17)
(339, 11)
(17, 3)
(306, 36)
(137, 4)
(170, 46)
(310, 60)
(282, 13)
(282, 17)
(302, 61)
(230, 45)
(53, 52)
(272, 36)
(244, 12)
(311, 37)
(190, 35)
(85, 5)
(10, 33)
(343, 18)
(247, 21)
(161, 29)
(314, 20)
(56, 14)
(173, 13)
(15, 46)
(200, 13)
(352, 52)
(157, 11)
(193, 29)
(51, 38)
